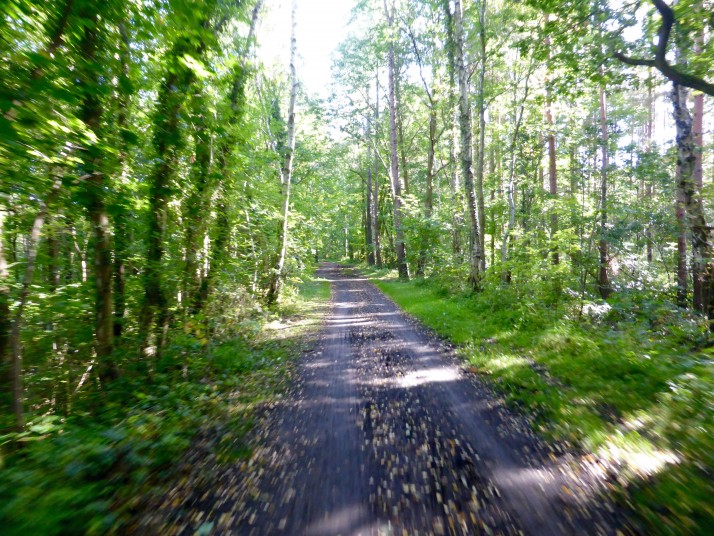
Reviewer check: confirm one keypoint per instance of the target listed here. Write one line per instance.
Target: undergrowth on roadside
(631, 379)
(88, 472)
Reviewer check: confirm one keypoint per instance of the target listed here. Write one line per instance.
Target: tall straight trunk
(475, 251)
(552, 169)
(171, 98)
(121, 227)
(287, 170)
(702, 265)
(480, 155)
(429, 180)
(197, 203)
(96, 182)
(54, 272)
(400, 131)
(603, 279)
(649, 234)
(456, 217)
(375, 193)
(14, 360)
(681, 216)
(5, 324)
(399, 245)
(429, 194)
(368, 197)
(518, 110)
(698, 140)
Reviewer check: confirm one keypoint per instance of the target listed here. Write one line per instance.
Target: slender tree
(400, 246)
(287, 169)
(475, 251)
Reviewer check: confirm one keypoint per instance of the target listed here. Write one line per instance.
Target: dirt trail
(384, 433)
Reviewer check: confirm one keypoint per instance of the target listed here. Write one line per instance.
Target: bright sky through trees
(321, 25)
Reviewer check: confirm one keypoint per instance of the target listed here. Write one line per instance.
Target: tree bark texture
(287, 169)
(700, 232)
(481, 154)
(603, 280)
(368, 198)
(15, 342)
(96, 182)
(375, 192)
(475, 252)
(400, 247)
(552, 169)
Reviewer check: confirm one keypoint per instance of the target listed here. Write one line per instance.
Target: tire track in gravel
(383, 433)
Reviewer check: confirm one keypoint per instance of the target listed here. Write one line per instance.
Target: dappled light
(356, 267)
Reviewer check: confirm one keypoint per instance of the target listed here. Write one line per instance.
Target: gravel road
(385, 433)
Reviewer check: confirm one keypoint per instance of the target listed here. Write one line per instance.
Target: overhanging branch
(660, 60)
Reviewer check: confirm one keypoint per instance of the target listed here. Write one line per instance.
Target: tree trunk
(400, 247)
(698, 140)
(368, 198)
(603, 278)
(702, 265)
(121, 217)
(400, 132)
(375, 194)
(475, 252)
(480, 156)
(429, 194)
(649, 234)
(96, 183)
(287, 170)
(166, 139)
(518, 110)
(6, 384)
(15, 342)
(197, 203)
(552, 170)
(680, 213)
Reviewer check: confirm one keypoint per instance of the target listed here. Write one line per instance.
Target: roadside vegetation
(630, 380)
(92, 471)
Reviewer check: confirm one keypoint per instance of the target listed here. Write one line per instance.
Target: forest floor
(385, 432)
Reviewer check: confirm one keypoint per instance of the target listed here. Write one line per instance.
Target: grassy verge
(629, 380)
(89, 472)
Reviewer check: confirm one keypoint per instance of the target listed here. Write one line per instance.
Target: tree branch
(660, 60)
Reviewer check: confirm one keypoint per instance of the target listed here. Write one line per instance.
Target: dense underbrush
(630, 379)
(89, 471)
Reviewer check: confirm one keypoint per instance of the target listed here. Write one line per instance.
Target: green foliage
(90, 473)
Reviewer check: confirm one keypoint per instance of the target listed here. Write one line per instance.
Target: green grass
(626, 383)
(89, 472)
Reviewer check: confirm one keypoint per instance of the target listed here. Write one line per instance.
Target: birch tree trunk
(480, 155)
(648, 189)
(475, 252)
(14, 360)
(698, 140)
(375, 193)
(702, 265)
(399, 245)
(6, 383)
(518, 110)
(287, 169)
(368, 198)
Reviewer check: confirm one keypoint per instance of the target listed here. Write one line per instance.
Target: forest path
(384, 433)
